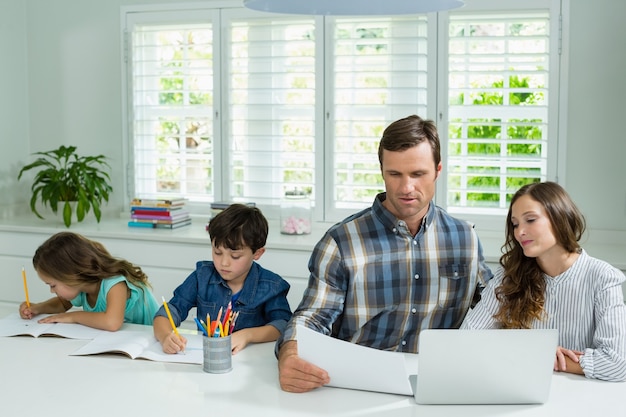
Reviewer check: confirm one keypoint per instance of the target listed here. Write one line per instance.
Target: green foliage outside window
(485, 138)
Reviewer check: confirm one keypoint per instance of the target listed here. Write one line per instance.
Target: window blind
(172, 106)
(271, 101)
(498, 94)
(379, 74)
(232, 104)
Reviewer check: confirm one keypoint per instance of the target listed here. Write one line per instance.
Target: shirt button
(415, 242)
(404, 343)
(417, 276)
(413, 310)
(395, 230)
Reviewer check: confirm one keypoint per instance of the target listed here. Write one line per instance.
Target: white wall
(14, 126)
(72, 57)
(74, 75)
(596, 124)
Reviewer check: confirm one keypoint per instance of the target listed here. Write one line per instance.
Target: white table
(40, 378)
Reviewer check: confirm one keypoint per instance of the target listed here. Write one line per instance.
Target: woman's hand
(567, 360)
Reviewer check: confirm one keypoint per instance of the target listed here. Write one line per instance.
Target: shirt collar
(250, 285)
(391, 222)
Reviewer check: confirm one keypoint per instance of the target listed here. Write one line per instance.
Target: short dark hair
(239, 226)
(407, 133)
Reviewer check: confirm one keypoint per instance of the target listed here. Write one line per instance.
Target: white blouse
(586, 304)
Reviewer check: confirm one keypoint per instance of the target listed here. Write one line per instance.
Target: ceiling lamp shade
(352, 7)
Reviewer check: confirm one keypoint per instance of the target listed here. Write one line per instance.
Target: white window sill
(605, 245)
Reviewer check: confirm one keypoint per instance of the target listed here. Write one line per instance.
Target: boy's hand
(239, 340)
(173, 343)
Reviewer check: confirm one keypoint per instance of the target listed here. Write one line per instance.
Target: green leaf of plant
(64, 176)
(67, 214)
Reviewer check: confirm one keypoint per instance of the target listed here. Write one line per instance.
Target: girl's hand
(28, 312)
(560, 362)
(173, 343)
(58, 318)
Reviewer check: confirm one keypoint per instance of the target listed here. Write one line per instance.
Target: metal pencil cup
(218, 357)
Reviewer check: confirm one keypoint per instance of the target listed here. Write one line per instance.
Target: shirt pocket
(249, 316)
(453, 285)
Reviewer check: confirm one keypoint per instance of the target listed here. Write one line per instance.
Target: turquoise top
(140, 305)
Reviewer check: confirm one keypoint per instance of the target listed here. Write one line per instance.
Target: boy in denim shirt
(258, 296)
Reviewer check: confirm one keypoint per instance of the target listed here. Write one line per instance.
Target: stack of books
(219, 206)
(159, 213)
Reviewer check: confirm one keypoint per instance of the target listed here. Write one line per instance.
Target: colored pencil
(25, 287)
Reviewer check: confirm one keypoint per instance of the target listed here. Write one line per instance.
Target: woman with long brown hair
(548, 281)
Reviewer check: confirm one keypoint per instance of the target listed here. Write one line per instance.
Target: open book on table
(141, 344)
(14, 325)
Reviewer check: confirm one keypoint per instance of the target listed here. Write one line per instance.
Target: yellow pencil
(25, 287)
(169, 316)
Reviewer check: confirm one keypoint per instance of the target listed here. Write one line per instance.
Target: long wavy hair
(521, 293)
(75, 260)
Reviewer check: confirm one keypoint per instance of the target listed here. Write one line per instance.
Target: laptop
(484, 366)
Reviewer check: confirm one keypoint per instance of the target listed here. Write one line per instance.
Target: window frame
(437, 100)
(556, 112)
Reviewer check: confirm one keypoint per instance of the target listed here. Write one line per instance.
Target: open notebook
(14, 325)
(141, 344)
(485, 366)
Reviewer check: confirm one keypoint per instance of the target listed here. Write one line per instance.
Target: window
(498, 92)
(171, 73)
(378, 75)
(236, 105)
(270, 109)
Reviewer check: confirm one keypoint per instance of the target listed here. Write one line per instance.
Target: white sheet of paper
(353, 366)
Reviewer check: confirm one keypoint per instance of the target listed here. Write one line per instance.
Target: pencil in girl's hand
(25, 287)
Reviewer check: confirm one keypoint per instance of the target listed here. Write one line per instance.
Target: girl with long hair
(82, 273)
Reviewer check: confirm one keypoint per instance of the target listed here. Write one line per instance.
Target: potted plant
(64, 177)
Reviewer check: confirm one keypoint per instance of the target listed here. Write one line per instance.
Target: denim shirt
(262, 300)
